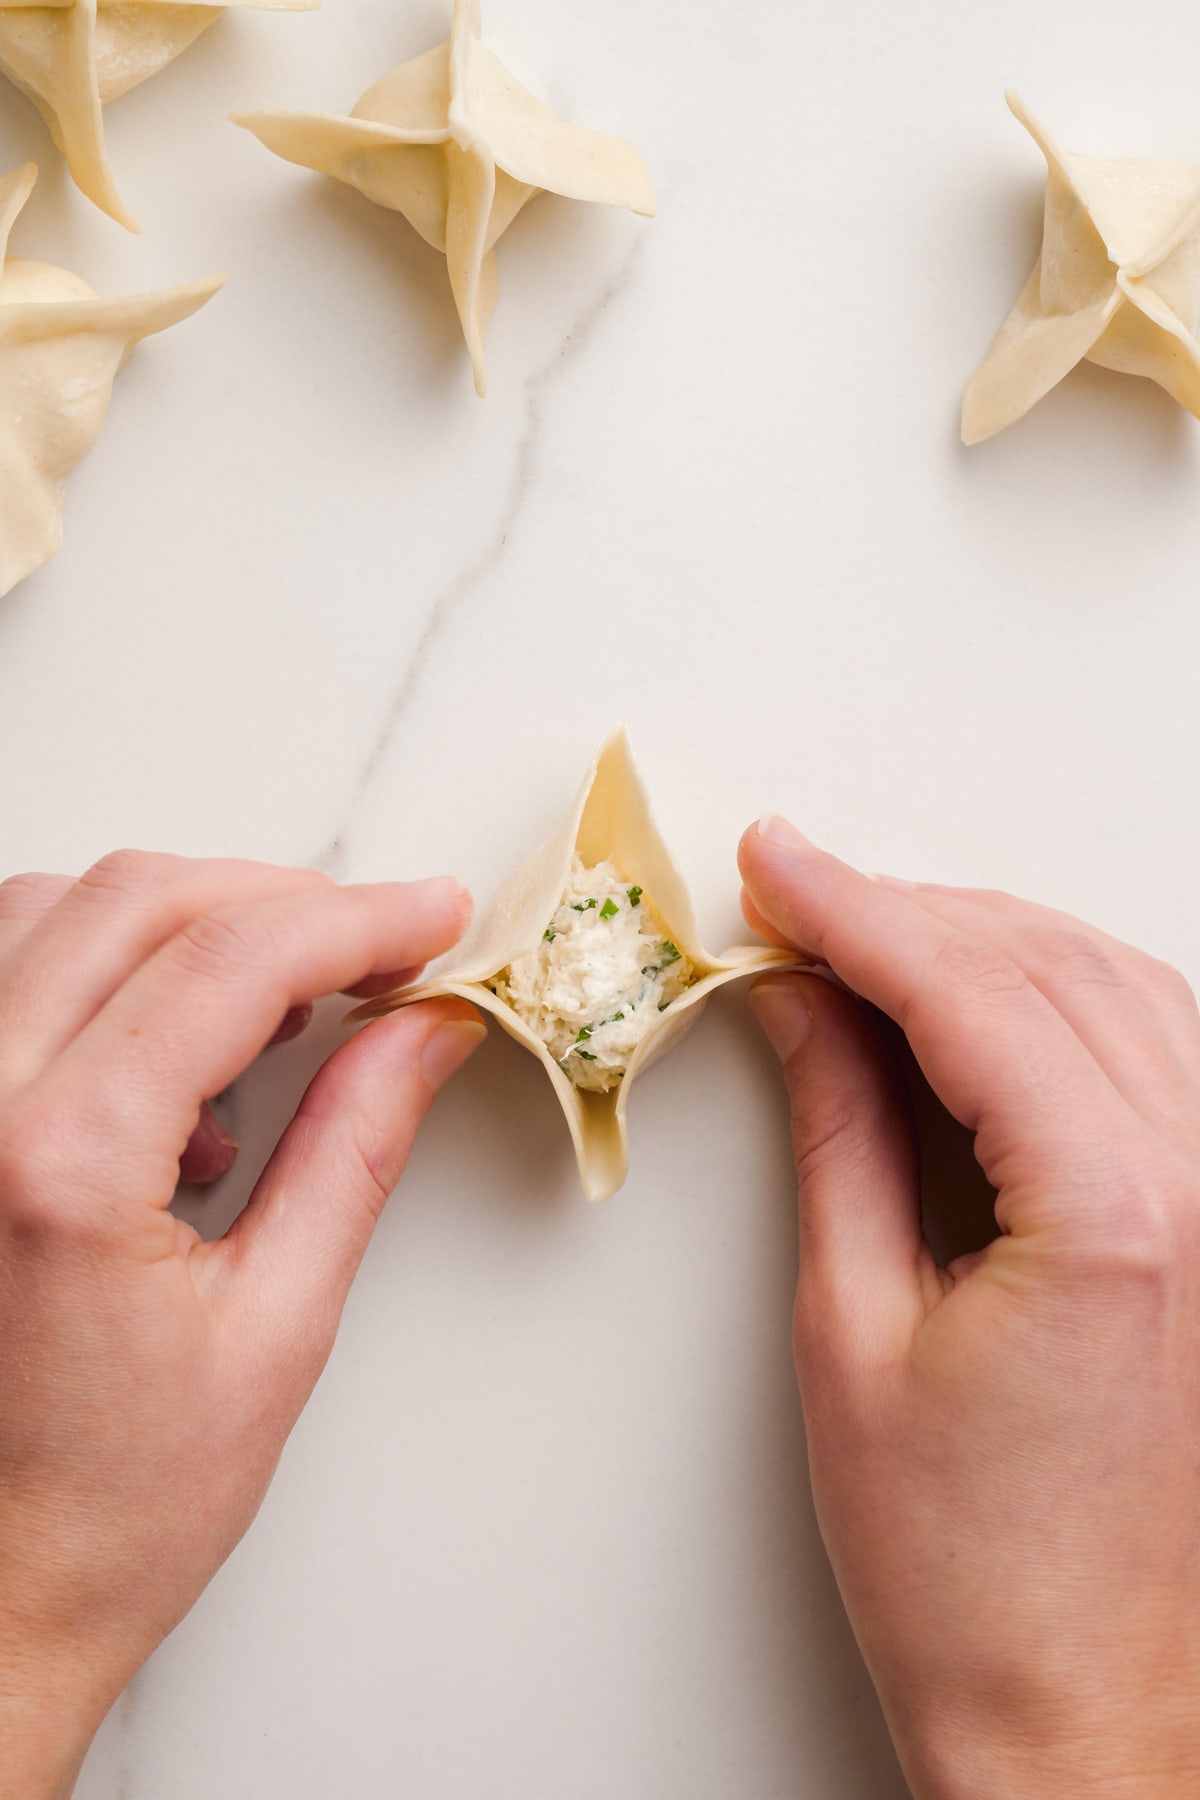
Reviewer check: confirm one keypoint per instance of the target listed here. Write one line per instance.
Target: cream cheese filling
(605, 969)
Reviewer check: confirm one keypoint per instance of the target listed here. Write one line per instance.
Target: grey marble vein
(333, 859)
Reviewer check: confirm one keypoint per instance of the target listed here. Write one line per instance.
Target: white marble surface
(545, 1533)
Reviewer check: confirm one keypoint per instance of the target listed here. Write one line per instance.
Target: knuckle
(823, 1132)
(1156, 1228)
(963, 961)
(372, 1185)
(219, 945)
(368, 1181)
(1163, 979)
(28, 895)
(1164, 1210)
(313, 878)
(1080, 958)
(34, 1171)
(122, 872)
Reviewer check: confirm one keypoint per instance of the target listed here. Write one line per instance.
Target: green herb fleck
(584, 1035)
(586, 1055)
(609, 910)
(549, 935)
(583, 905)
(635, 896)
(663, 1005)
(669, 954)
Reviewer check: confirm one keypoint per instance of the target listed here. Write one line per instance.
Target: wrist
(1022, 1776)
(43, 1749)
(985, 1758)
(50, 1710)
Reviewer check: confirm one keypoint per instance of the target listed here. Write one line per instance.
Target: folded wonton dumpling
(590, 956)
(73, 56)
(456, 145)
(60, 348)
(1117, 282)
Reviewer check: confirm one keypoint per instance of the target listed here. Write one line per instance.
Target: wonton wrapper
(60, 348)
(1117, 282)
(610, 821)
(71, 57)
(454, 143)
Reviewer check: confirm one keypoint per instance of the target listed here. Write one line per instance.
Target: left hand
(150, 1380)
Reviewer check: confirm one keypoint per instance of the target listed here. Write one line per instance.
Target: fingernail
(449, 889)
(210, 1152)
(447, 1049)
(293, 1022)
(781, 832)
(782, 1010)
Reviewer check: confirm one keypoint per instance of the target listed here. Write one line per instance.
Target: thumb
(291, 1257)
(864, 1266)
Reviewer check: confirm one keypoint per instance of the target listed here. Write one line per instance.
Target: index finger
(994, 1050)
(192, 1017)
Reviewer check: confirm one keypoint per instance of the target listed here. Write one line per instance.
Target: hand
(1005, 1453)
(149, 1380)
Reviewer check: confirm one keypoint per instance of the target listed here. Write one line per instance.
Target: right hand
(1006, 1452)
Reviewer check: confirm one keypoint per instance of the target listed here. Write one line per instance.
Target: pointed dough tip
(119, 213)
(256, 116)
(975, 428)
(1023, 115)
(176, 304)
(467, 19)
(1050, 148)
(102, 192)
(429, 141)
(71, 387)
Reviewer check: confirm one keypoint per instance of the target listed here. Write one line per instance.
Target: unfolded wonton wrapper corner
(458, 147)
(60, 348)
(1117, 283)
(71, 57)
(611, 821)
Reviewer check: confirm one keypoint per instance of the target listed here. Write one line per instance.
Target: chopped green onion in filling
(604, 970)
